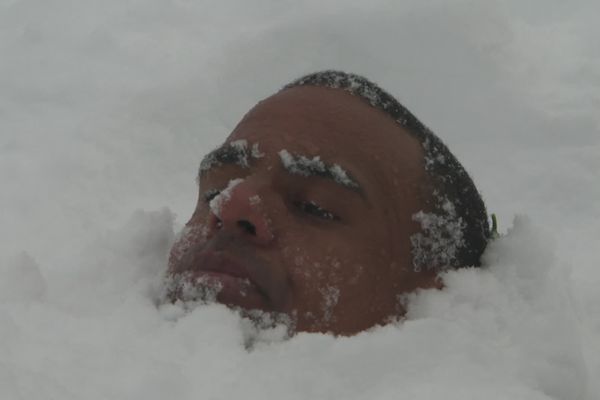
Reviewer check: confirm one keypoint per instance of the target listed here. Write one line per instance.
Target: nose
(239, 209)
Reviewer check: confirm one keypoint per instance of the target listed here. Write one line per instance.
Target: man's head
(327, 203)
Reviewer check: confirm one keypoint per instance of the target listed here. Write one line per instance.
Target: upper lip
(219, 262)
(223, 263)
(226, 254)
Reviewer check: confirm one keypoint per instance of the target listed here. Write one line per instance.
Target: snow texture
(331, 295)
(238, 150)
(241, 147)
(353, 84)
(304, 166)
(437, 244)
(190, 293)
(106, 108)
(255, 151)
(224, 195)
(254, 200)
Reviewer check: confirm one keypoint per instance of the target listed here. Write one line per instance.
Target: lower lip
(234, 291)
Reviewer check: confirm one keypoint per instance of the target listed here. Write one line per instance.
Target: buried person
(327, 203)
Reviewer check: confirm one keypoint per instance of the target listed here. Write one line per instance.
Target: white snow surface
(107, 107)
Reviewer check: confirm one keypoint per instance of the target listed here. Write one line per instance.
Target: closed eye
(313, 209)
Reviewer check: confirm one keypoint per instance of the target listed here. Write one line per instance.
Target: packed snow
(106, 109)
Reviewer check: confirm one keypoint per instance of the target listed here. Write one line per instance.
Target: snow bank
(108, 107)
(507, 330)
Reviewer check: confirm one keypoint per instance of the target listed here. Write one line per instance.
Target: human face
(325, 241)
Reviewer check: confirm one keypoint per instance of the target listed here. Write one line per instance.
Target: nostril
(247, 226)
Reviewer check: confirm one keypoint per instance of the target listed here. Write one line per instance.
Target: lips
(235, 283)
(217, 262)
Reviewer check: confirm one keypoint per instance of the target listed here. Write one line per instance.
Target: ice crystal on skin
(433, 156)
(262, 328)
(240, 152)
(255, 152)
(186, 238)
(357, 86)
(304, 166)
(217, 202)
(208, 162)
(331, 296)
(443, 169)
(301, 165)
(241, 147)
(254, 200)
(188, 290)
(438, 243)
(341, 176)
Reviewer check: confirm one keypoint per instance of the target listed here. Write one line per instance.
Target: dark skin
(333, 255)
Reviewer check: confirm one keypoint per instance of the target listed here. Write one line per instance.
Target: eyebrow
(297, 164)
(239, 153)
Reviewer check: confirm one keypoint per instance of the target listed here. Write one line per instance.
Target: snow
(301, 165)
(255, 151)
(107, 107)
(304, 166)
(440, 239)
(237, 151)
(349, 82)
(224, 195)
(241, 147)
(254, 200)
(341, 176)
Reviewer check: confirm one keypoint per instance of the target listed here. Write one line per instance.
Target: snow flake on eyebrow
(236, 152)
(301, 165)
(241, 148)
(304, 166)
(340, 176)
(255, 152)
(209, 161)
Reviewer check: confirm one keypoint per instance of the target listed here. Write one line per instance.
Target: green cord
(494, 231)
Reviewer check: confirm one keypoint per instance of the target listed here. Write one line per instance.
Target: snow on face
(77, 311)
(304, 166)
(255, 152)
(217, 202)
(189, 291)
(236, 152)
(437, 244)
(481, 333)
(351, 83)
(331, 296)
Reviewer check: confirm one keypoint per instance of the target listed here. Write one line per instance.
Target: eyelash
(312, 208)
(307, 207)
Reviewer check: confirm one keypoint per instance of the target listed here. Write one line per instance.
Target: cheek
(322, 275)
(190, 235)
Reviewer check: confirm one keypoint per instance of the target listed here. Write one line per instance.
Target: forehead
(337, 126)
(330, 123)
